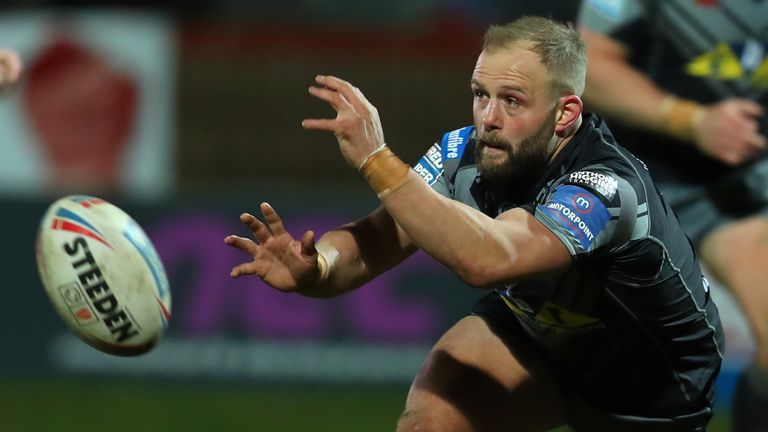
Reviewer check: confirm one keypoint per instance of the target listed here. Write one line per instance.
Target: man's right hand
(729, 131)
(281, 261)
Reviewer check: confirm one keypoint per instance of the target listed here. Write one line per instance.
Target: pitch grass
(77, 405)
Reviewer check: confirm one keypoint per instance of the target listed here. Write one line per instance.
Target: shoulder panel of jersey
(442, 158)
(589, 209)
(606, 16)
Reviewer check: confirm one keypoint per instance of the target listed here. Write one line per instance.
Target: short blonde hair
(558, 46)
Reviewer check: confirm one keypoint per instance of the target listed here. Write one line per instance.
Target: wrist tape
(384, 171)
(680, 117)
(326, 257)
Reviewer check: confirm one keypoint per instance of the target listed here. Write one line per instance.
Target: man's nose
(491, 116)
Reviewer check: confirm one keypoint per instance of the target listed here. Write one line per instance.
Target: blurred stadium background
(186, 114)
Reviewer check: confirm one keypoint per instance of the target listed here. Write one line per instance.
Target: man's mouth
(490, 145)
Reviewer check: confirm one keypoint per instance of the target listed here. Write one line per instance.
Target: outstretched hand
(729, 131)
(357, 125)
(10, 68)
(281, 261)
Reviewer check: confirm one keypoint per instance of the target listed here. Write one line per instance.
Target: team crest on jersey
(603, 184)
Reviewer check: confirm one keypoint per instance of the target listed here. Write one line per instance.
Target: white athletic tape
(326, 258)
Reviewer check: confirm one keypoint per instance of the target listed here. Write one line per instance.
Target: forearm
(483, 251)
(358, 252)
(608, 84)
(463, 239)
(620, 91)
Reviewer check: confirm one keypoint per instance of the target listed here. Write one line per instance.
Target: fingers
(272, 219)
(308, 244)
(260, 232)
(247, 246)
(737, 157)
(731, 158)
(336, 84)
(351, 94)
(318, 124)
(248, 268)
(334, 98)
(749, 108)
(242, 243)
(758, 141)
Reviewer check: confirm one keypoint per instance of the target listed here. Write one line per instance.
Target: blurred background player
(10, 68)
(592, 286)
(687, 80)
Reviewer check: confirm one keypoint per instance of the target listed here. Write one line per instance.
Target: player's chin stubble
(526, 161)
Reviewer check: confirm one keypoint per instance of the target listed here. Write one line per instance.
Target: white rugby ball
(103, 275)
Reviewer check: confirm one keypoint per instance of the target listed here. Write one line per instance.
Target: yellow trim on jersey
(514, 308)
(553, 315)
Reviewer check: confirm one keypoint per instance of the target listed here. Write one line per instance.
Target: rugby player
(597, 315)
(696, 116)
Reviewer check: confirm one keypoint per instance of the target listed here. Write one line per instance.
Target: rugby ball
(103, 275)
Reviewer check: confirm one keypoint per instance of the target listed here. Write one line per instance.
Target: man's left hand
(357, 126)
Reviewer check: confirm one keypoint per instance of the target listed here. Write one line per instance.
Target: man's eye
(479, 93)
(511, 101)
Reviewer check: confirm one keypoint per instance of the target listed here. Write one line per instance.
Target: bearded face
(501, 161)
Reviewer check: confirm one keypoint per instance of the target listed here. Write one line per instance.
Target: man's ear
(568, 118)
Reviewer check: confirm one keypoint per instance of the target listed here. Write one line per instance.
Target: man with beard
(597, 315)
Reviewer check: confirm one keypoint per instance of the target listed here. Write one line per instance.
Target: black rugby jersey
(706, 51)
(633, 312)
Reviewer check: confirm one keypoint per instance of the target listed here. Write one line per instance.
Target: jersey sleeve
(440, 161)
(430, 168)
(607, 16)
(589, 210)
